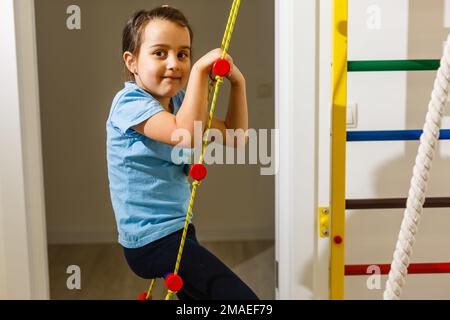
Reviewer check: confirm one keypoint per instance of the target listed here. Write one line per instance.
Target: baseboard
(203, 234)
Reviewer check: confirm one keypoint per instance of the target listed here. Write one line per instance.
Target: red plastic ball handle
(142, 296)
(174, 282)
(198, 171)
(338, 239)
(221, 67)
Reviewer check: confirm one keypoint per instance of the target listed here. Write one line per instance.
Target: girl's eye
(183, 55)
(159, 53)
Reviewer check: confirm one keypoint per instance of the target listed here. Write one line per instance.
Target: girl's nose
(173, 63)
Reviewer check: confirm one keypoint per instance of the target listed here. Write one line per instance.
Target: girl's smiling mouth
(172, 78)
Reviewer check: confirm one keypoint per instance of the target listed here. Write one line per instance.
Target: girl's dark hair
(133, 30)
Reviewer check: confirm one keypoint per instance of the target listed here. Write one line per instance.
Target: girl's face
(164, 60)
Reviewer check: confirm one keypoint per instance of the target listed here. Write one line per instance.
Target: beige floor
(106, 275)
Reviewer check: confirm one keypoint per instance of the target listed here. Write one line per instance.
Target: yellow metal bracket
(324, 222)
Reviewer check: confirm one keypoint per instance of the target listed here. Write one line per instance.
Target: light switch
(352, 115)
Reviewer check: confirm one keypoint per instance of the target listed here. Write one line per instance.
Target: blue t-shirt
(149, 188)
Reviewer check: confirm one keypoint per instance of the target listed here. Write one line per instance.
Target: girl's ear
(130, 62)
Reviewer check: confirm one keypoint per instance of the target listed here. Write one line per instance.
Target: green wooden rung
(393, 65)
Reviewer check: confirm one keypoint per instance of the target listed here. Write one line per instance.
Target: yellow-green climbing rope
(216, 86)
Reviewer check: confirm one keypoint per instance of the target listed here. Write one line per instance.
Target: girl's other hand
(205, 63)
(235, 76)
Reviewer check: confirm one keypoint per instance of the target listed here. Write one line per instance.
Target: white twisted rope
(418, 186)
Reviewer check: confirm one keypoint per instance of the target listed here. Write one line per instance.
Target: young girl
(149, 191)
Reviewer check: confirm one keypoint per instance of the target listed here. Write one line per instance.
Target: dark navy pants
(205, 277)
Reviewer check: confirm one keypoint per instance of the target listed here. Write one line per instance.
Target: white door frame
(296, 117)
(23, 241)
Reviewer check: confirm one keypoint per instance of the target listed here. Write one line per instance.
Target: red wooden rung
(414, 268)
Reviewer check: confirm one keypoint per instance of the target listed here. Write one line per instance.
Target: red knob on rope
(143, 296)
(198, 171)
(338, 239)
(173, 282)
(221, 67)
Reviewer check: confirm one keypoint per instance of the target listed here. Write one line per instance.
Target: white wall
(411, 29)
(323, 163)
(23, 263)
